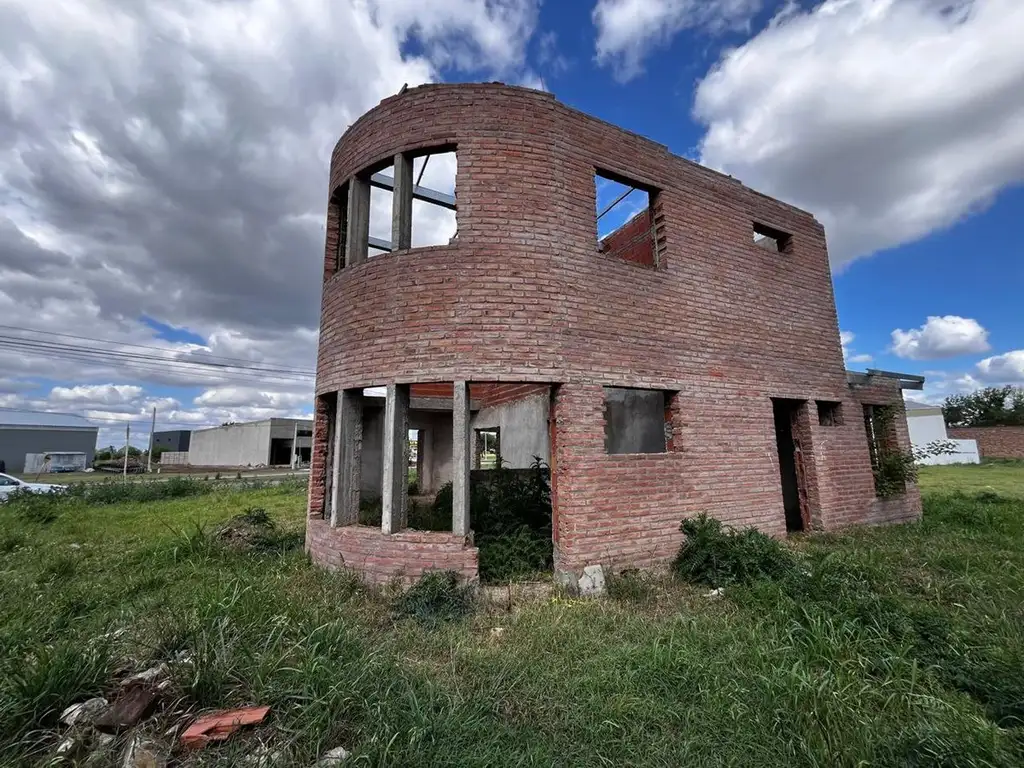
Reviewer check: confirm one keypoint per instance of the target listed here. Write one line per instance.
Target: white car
(10, 484)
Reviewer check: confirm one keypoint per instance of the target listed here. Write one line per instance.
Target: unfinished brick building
(688, 361)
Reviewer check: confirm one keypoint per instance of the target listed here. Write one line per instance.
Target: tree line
(989, 407)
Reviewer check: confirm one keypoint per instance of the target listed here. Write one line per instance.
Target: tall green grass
(883, 647)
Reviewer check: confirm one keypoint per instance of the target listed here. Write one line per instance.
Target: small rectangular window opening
(772, 239)
(830, 414)
(625, 223)
(487, 450)
(637, 420)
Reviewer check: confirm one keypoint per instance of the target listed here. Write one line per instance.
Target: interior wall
(524, 430)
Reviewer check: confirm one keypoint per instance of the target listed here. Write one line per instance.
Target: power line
(151, 364)
(40, 345)
(143, 346)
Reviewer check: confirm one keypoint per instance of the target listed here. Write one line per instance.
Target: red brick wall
(993, 442)
(524, 295)
(379, 558)
(633, 241)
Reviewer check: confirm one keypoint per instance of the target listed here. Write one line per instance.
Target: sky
(163, 170)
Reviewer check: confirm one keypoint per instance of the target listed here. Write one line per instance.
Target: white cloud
(252, 397)
(106, 394)
(1007, 368)
(168, 159)
(628, 30)
(887, 119)
(939, 337)
(846, 339)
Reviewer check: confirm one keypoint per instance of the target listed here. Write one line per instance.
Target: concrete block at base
(567, 581)
(591, 583)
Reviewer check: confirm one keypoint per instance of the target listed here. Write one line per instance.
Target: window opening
(625, 213)
(772, 239)
(830, 414)
(636, 420)
(381, 202)
(434, 202)
(487, 451)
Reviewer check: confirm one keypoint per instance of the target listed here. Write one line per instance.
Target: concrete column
(461, 454)
(348, 447)
(395, 490)
(401, 204)
(358, 221)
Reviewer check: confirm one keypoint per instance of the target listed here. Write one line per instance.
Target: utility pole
(152, 430)
(295, 444)
(127, 436)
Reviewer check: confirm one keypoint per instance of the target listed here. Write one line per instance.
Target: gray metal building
(172, 439)
(24, 432)
(271, 442)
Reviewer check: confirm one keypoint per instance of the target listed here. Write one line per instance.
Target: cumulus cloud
(887, 119)
(1007, 368)
(168, 159)
(946, 336)
(628, 30)
(849, 355)
(106, 394)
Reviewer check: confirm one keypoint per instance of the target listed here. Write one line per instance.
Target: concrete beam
(461, 454)
(348, 446)
(395, 486)
(401, 204)
(425, 194)
(358, 222)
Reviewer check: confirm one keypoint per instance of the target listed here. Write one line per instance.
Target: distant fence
(174, 458)
(993, 442)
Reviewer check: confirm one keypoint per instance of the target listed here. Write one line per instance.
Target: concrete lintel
(461, 454)
(348, 444)
(401, 204)
(395, 487)
(358, 221)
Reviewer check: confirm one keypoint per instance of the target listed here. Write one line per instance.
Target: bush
(435, 598)
(510, 513)
(718, 555)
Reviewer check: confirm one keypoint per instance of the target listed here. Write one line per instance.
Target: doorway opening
(794, 494)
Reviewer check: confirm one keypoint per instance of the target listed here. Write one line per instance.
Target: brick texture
(993, 442)
(524, 295)
(381, 558)
(633, 241)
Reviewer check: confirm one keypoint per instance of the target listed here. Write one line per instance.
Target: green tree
(989, 407)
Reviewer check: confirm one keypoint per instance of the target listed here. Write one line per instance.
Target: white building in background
(926, 426)
(267, 443)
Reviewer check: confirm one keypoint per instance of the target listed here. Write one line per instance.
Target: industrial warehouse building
(172, 440)
(24, 433)
(271, 442)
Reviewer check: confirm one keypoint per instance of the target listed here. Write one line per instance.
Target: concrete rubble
(591, 583)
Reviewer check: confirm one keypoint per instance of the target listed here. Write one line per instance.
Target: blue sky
(162, 174)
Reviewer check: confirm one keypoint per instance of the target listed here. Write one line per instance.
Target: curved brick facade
(525, 295)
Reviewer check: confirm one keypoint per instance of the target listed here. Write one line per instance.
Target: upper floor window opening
(626, 213)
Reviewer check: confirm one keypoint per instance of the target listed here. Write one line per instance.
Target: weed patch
(437, 597)
(718, 555)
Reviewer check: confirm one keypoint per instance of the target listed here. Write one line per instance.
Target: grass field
(905, 646)
(1002, 476)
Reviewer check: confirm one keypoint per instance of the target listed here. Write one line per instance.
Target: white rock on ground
(591, 583)
(332, 757)
(83, 712)
(143, 754)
